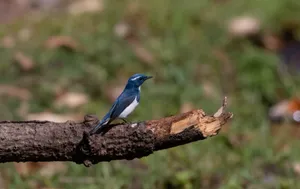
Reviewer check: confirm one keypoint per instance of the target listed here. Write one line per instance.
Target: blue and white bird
(125, 103)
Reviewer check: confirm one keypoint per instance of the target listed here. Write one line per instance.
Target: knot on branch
(138, 142)
(90, 120)
(83, 151)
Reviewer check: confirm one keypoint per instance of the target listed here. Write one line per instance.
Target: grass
(183, 38)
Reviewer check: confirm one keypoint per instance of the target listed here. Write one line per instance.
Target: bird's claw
(125, 121)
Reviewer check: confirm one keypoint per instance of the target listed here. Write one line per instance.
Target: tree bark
(23, 141)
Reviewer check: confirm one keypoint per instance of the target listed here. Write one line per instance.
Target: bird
(124, 105)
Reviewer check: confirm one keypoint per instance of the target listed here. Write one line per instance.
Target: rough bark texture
(48, 141)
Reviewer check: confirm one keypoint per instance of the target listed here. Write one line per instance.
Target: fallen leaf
(296, 167)
(289, 108)
(294, 105)
(61, 41)
(209, 89)
(128, 29)
(50, 169)
(141, 52)
(44, 169)
(122, 29)
(244, 25)
(83, 6)
(272, 42)
(8, 42)
(24, 34)
(54, 117)
(25, 62)
(279, 110)
(71, 100)
(28, 168)
(18, 92)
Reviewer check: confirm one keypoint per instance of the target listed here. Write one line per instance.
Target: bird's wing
(105, 120)
(122, 102)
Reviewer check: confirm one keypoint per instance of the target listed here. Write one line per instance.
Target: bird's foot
(125, 121)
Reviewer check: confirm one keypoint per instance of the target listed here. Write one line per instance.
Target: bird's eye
(140, 79)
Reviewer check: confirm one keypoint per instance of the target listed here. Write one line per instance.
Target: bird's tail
(95, 129)
(98, 127)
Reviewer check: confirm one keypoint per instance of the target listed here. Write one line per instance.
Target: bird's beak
(148, 77)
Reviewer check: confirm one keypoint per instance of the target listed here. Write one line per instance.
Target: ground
(195, 61)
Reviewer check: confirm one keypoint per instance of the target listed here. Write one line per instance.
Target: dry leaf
(296, 167)
(45, 169)
(244, 25)
(122, 29)
(79, 7)
(18, 92)
(128, 30)
(25, 62)
(54, 117)
(24, 34)
(141, 52)
(279, 110)
(286, 109)
(61, 41)
(26, 169)
(8, 42)
(50, 169)
(71, 100)
(294, 104)
(272, 42)
(209, 89)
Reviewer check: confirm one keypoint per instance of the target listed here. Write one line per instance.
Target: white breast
(129, 109)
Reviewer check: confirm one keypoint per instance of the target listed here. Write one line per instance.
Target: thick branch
(48, 141)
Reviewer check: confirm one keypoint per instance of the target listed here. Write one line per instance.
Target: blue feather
(126, 98)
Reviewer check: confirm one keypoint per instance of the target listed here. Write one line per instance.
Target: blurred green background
(71, 58)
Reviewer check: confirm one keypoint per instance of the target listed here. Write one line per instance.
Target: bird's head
(137, 80)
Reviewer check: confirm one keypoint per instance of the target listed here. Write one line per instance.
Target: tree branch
(22, 141)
